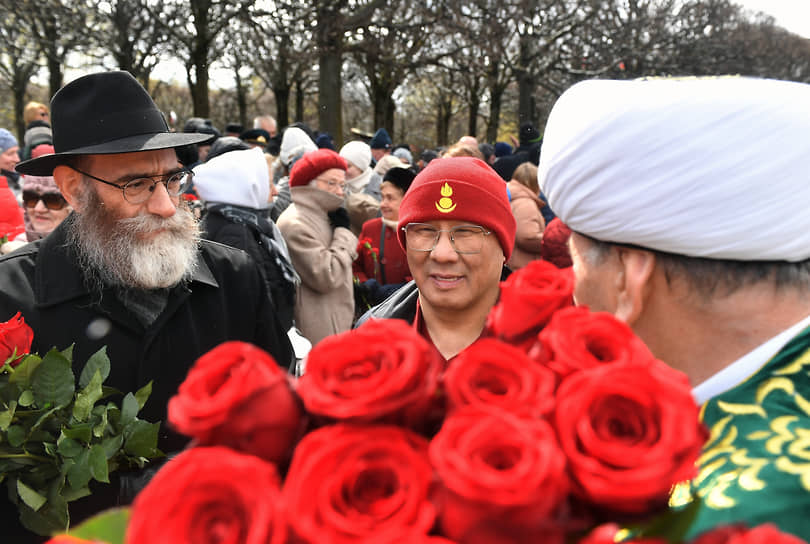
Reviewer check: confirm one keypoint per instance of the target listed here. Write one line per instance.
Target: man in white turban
(688, 204)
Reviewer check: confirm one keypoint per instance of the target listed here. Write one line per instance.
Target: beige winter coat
(323, 257)
(530, 225)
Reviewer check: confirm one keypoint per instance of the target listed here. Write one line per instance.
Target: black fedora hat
(105, 113)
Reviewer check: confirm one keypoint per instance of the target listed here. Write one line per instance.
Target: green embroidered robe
(755, 467)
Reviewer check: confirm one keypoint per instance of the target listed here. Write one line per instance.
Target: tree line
(426, 71)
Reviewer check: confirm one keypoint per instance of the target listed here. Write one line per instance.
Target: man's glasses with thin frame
(138, 190)
(464, 239)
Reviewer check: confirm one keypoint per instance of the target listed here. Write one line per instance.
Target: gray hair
(715, 277)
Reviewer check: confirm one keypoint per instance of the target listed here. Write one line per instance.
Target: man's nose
(444, 248)
(160, 203)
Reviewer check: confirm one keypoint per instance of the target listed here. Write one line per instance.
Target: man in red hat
(457, 229)
(322, 247)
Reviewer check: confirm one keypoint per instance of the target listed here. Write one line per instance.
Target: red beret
(460, 188)
(313, 164)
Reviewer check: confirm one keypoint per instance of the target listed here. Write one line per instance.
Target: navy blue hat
(380, 140)
(257, 136)
(324, 140)
(502, 149)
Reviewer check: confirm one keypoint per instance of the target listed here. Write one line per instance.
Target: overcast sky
(794, 15)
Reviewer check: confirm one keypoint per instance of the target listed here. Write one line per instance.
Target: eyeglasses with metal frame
(138, 190)
(464, 239)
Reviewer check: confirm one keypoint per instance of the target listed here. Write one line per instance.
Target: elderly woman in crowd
(44, 207)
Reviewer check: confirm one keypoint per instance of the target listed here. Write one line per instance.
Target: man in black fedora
(127, 269)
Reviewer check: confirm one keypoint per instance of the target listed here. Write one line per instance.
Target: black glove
(339, 218)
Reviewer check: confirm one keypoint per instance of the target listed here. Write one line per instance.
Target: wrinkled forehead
(138, 163)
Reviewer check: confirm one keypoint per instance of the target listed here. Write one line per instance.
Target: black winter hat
(528, 134)
(400, 176)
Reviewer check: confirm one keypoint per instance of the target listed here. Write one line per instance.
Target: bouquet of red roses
(554, 427)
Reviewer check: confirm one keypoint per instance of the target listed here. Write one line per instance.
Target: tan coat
(530, 225)
(322, 256)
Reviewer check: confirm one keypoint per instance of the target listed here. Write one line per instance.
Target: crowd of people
(677, 203)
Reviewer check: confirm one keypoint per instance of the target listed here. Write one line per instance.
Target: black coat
(242, 228)
(224, 300)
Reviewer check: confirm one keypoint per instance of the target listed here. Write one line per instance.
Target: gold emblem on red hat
(446, 204)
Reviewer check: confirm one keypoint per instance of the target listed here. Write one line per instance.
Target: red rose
(347, 483)
(630, 432)
(767, 533)
(236, 395)
(606, 534)
(491, 372)
(381, 372)
(496, 470)
(210, 495)
(577, 338)
(15, 335)
(528, 298)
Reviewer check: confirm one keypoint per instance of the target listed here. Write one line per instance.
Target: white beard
(111, 252)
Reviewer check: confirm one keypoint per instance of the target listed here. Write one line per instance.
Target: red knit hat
(313, 164)
(460, 188)
(555, 244)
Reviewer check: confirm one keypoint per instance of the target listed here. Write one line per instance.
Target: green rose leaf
(30, 497)
(67, 353)
(53, 381)
(142, 395)
(88, 397)
(26, 398)
(112, 445)
(15, 436)
(97, 362)
(97, 461)
(129, 409)
(79, 474)
(7, 416)
(109, 526)
(140, 438)
(22, 374)
(52, 517)
(82, 433)
(68, 447)
(101, 418)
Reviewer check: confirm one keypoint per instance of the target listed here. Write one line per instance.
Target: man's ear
(70, 183)
(635, 282)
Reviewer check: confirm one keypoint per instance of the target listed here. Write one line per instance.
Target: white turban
(703, 167)
(236, 177)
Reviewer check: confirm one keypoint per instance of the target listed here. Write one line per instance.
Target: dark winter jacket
(224, 300)
(251, 231)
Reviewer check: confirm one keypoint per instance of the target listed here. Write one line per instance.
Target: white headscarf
(703, 167)
(236, 177)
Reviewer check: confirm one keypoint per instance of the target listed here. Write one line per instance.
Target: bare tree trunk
(299, 100)
(241, 97)
(330, 58)
(472, 120)
(282, 95)
(494, 116)
(199, 95)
